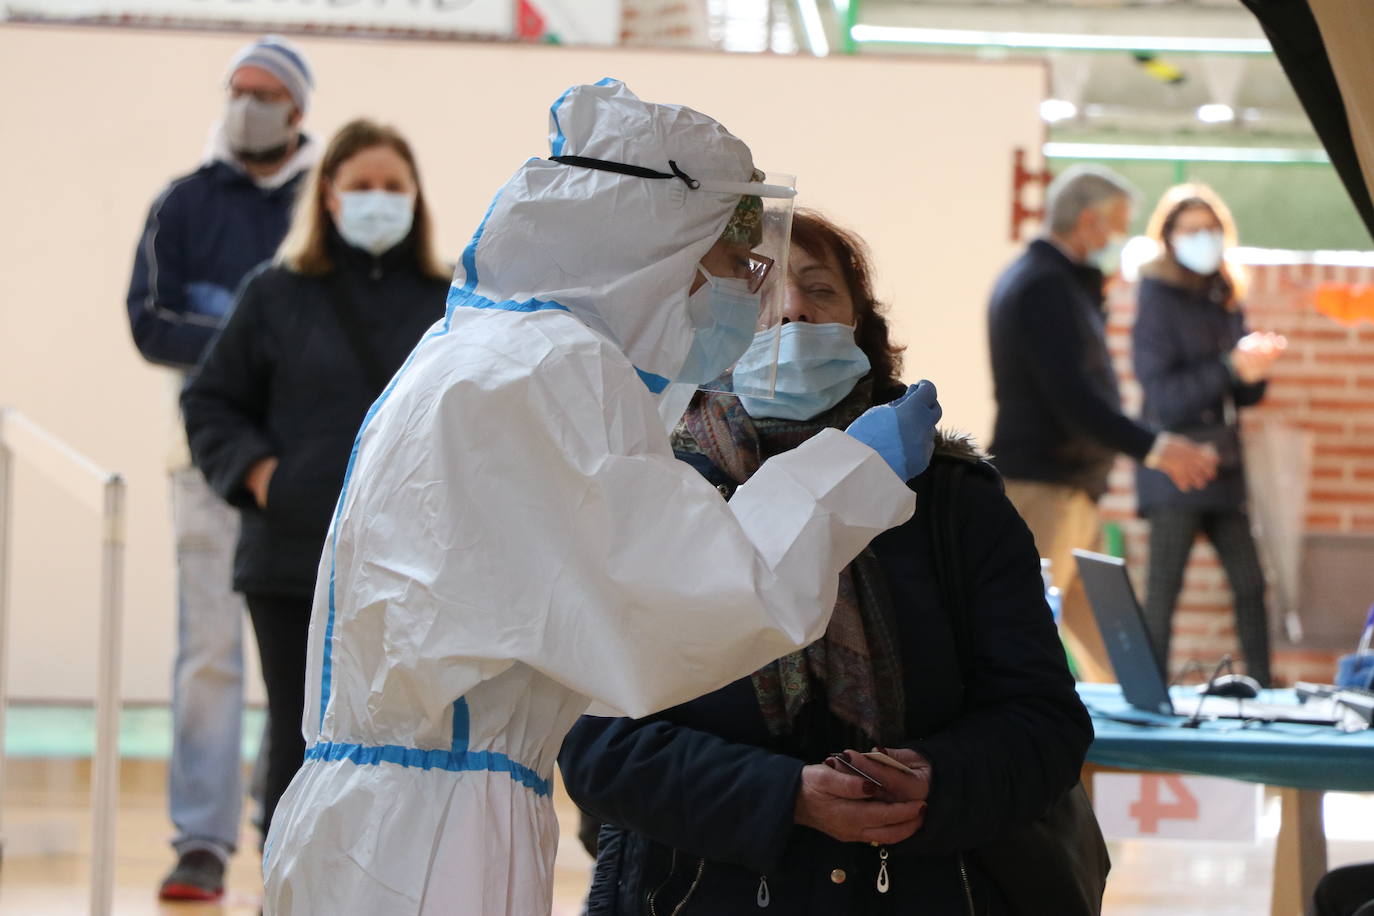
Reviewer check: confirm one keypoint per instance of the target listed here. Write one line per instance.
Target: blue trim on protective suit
(415, 758)
(469, 259)
(655, 383)
(559, 140)
(459, 298)
(462, 726)
(464, 298)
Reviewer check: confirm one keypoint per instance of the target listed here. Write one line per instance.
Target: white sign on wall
(472, 17)
(1171, 806)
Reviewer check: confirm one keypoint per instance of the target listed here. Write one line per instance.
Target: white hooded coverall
(515, 540)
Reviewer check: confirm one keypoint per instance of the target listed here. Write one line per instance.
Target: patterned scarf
(855, 668)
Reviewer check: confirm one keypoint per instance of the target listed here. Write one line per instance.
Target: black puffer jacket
(699, 800)
(282, 379)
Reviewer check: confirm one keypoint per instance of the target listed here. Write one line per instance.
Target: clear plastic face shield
(751, 256)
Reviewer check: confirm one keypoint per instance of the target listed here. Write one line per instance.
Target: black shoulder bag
(1057, 863)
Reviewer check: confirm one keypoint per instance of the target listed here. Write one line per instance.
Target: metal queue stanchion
(18, 435)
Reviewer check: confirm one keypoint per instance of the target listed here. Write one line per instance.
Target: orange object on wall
(1347, 303)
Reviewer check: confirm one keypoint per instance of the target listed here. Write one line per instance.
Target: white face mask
(375, 221)
(253, 126)
(1108, 258)
(1199, 251)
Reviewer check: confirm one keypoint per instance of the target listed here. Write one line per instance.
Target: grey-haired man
(1059, 423)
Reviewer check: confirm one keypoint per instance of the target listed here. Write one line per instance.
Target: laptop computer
(1139, 671)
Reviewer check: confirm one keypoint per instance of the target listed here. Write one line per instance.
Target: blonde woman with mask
(1199, 365)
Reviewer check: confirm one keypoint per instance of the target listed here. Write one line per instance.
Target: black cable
(1191, 666)
(1196, 718)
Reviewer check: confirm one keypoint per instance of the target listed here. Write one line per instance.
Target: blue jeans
(204, 791)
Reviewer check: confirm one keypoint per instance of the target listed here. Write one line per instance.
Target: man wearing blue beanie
(203, 234)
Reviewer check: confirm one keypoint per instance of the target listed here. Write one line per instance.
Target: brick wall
(1325, 384)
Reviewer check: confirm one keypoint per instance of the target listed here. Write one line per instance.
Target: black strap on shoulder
(942, 514)
(346, 308)
(621, 168)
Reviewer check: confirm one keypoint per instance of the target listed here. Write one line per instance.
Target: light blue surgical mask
(1108, 258)
(818, 365)
(1199, 251)
(375, 221)
(723, 314)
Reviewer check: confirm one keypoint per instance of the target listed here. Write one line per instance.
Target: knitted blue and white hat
(283, 60)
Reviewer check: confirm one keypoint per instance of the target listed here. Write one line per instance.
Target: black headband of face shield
(638, 171)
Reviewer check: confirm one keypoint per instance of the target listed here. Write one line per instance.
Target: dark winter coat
(203, 235)
(1059, 416)
(699, 800)
(1183, 335)
(283, 380)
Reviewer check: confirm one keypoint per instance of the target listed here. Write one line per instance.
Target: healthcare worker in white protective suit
(515, 541)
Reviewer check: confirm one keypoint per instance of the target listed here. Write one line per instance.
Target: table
(1302, 761)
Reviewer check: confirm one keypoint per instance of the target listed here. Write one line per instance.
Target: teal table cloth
(1278, 754)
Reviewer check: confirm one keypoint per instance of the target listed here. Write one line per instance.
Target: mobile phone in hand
(893, 762)
(838, 762)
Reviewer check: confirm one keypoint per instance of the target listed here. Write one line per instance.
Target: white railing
(22, 438)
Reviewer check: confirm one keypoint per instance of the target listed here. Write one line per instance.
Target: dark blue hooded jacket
(203, 235)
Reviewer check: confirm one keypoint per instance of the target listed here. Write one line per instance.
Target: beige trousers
(1063, 518)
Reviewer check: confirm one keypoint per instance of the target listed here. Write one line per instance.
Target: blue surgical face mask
(375, 221)
(818, 364)
(1199, 251)
(724, 314)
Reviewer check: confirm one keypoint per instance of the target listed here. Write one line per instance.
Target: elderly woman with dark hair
(941, 655)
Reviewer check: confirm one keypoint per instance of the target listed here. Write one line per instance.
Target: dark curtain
(1294, 33)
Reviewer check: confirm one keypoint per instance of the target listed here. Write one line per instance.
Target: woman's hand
(258, 478)
(1253, 357)
(897, 786)
(847, 808)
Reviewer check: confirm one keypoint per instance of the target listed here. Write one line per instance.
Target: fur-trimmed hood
(1217, 287)
(954, 444)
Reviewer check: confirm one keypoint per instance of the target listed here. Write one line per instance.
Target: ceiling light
(814, 28)
(1058, 41)
(1056, 110)
(1215, 113)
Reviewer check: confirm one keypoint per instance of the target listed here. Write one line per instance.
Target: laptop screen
(1123, 630)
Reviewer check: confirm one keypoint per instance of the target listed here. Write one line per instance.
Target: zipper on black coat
(672, 867)
(968, 891)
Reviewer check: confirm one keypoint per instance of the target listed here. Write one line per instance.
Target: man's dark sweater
(1059, 416)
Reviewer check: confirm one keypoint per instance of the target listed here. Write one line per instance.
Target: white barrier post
(21, 436)
(105, 771)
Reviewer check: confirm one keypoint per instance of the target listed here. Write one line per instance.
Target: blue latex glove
(209, 299)
(902, 432)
